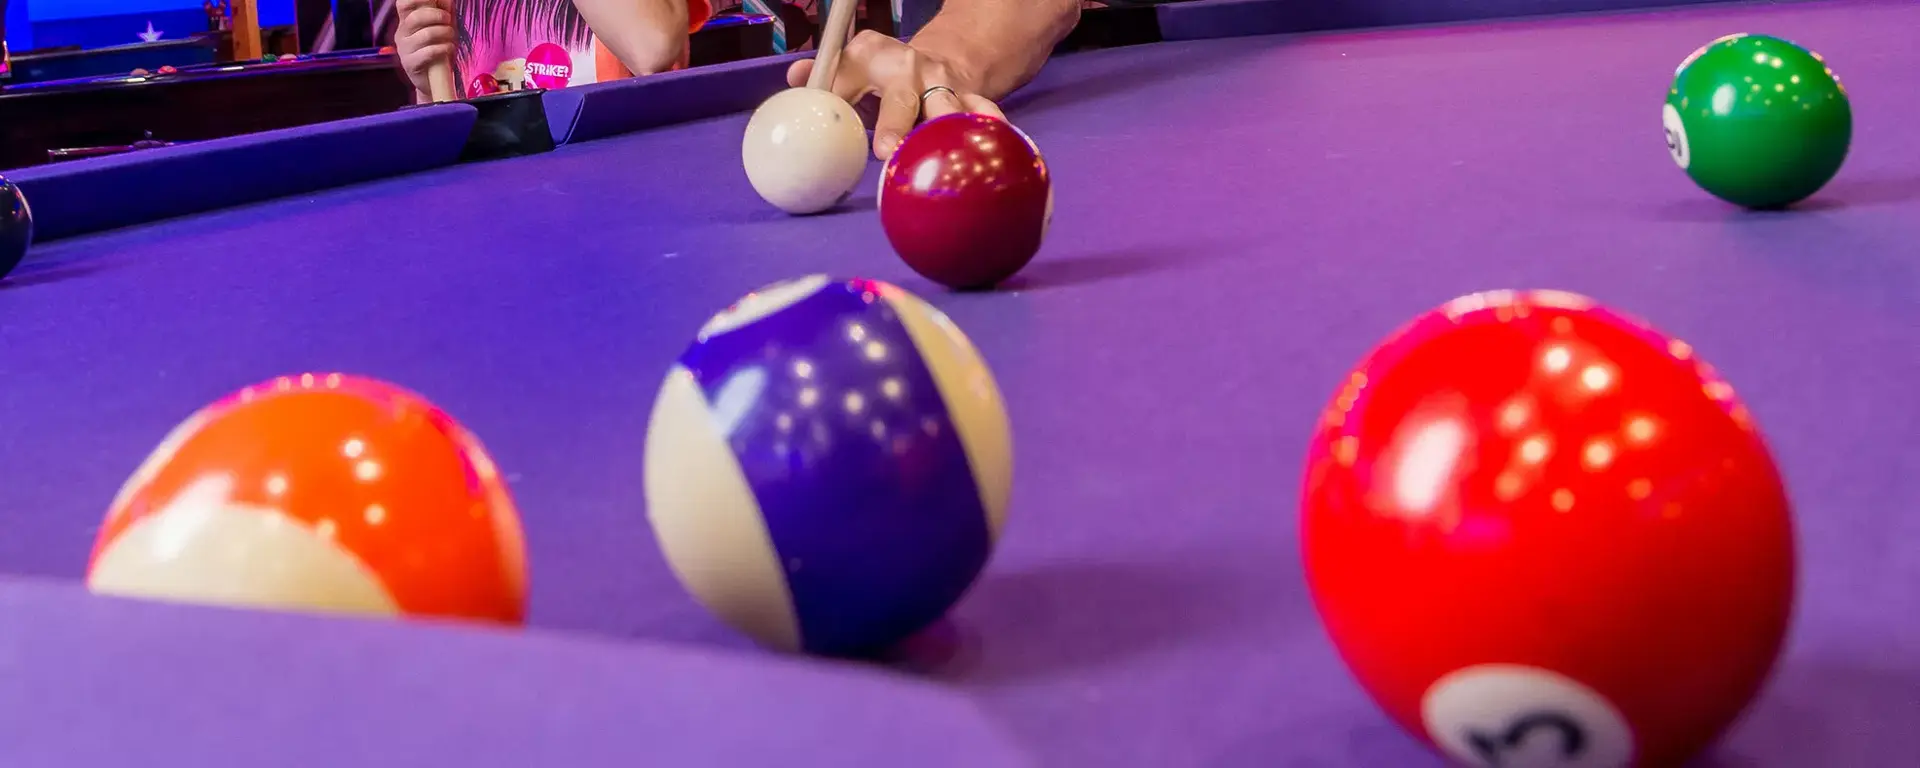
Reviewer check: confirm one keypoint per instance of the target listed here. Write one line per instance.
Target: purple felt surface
(115, 684)
(1238, 222)
(138, 187)
(1212, 19)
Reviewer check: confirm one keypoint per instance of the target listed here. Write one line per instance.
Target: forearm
(649, 36)
(998, 45)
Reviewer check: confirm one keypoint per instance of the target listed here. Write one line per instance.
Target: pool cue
(440, 85)
(833, 38)
(440, 81)
(246, 30)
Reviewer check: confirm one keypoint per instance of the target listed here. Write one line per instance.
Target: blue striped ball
(828, 466)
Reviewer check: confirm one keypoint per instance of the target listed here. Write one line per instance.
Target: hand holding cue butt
(833, 37)
(440, 85)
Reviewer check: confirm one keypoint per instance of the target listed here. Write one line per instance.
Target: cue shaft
(440, 81)
(440, 84)
(833, 38)
(246, 30)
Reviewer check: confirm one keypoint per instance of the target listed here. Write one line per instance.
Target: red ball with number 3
(1541, 533)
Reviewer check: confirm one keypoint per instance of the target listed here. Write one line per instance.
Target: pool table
(216, 99)
(199, 102)
(1239, 220)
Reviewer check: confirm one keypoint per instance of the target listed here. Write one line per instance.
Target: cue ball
(320, 493)
(966, 200)
(16, 226)
(804, 150)
(1574, 552)
(828, 466)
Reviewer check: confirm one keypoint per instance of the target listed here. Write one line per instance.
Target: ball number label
(1513, 716)
(1676, 137)
(1567, 741)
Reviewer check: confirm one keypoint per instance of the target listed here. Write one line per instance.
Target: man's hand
(424, 37)
(901, 75)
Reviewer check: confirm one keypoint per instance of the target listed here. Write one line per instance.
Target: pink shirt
(519, 44)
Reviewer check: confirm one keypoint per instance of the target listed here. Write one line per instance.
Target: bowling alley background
(325, 24)
(35, 24)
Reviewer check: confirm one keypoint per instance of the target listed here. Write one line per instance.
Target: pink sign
(549, 66)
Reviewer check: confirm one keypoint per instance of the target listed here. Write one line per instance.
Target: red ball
(482, 84)
(966, 200)
(1541, 533)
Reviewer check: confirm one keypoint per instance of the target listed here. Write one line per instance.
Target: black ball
(16, 226)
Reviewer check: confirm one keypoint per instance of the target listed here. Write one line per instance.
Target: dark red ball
(966, 200)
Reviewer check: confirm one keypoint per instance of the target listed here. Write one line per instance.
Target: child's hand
(425, 36)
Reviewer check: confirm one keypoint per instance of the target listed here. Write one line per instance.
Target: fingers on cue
(849, 86)
(438, 37)
(425, 37)
(899, 111)
(427, 17)
(848, 81)
(864, 61)
(436, 52)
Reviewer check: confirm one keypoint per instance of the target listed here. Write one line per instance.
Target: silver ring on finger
(924, 95)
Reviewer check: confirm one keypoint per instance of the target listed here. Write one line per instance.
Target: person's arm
(649, 36)
(968, 56)
(995, 46)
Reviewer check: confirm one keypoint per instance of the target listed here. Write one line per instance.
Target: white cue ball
(804, 150)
